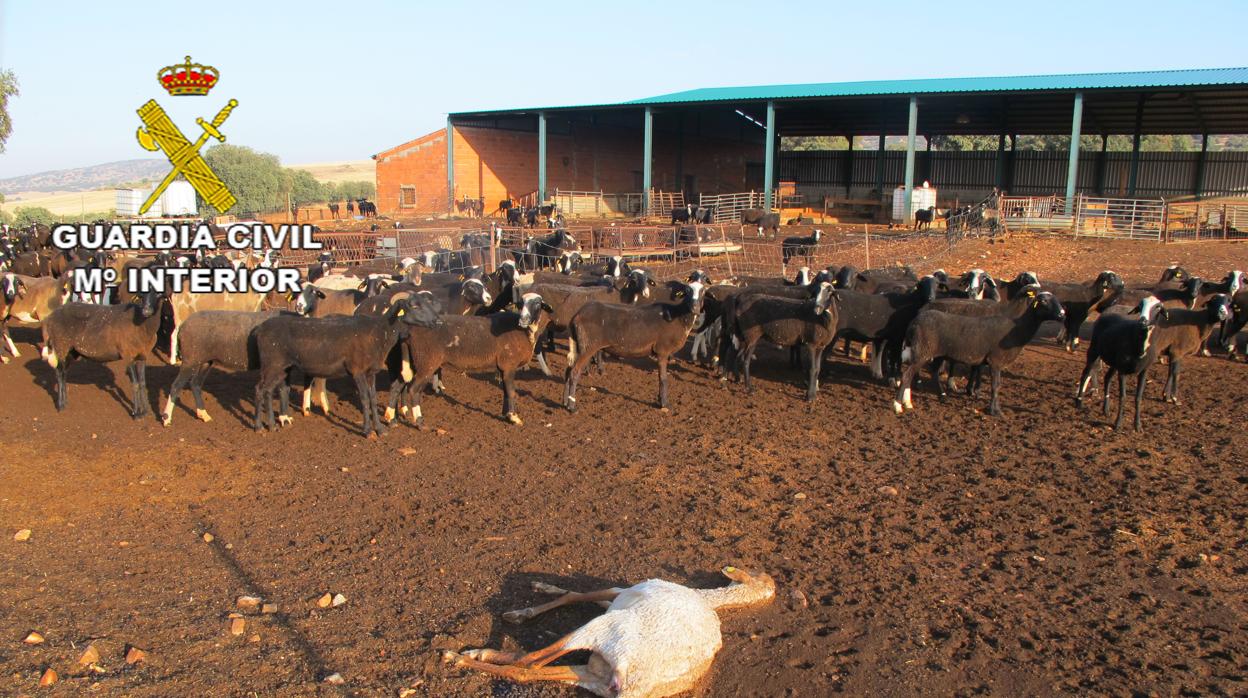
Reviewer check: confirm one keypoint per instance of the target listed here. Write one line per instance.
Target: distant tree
(6, 218)
(256, 179)
(8, 88)
(25, 215)
(353, 190)
(801, 143)
(303, 188)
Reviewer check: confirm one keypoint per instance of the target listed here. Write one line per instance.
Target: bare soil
(1038, 553)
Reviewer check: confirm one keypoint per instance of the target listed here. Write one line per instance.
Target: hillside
(87, 178)
(89, 189)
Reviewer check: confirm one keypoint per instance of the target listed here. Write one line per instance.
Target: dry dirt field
(1039, 553)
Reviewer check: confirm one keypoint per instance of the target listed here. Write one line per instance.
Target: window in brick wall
(407, 196)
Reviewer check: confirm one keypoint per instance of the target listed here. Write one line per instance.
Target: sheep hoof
(166, 421)
(450, 657)
(4, 359)
(897, 408)
(517, 617)
(515, 419)
(203, 416)
(306, 412)
(388, 417)
(284, 421)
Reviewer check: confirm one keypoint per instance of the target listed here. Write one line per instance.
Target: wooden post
(723, 240)
(866, 231)
(1196, 222)
(1224, 222)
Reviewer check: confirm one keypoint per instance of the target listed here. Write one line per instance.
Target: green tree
(25, 215)
(8, 88)
(303, 188)
(352, 190)
(256, 179)
(6, 218)
(799, 143)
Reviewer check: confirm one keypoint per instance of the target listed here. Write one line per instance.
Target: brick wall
(496, 164)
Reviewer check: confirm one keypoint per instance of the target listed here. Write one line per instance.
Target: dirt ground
(1038, 553)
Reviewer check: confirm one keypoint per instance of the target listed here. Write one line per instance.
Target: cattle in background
(682, 214)
(333, 210)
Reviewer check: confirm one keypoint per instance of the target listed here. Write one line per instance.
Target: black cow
(682, 214)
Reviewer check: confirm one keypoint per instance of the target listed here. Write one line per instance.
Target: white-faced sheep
(993, 340)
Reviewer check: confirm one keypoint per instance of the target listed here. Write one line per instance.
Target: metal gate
(727, 208)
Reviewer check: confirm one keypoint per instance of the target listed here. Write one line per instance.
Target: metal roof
(1151, 79)
(1210, 100)
(1206, 77)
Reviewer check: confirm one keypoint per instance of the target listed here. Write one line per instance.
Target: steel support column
(647, 155)
(450, 165)
(1072, 169)
(911, 134)
(769, 161)
(541, 158)
(1000, 162)
(1198, 186)
(1101, 165)
(1134, 174)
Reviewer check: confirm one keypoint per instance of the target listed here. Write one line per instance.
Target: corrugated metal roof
(1200, 77)
(1081, 81)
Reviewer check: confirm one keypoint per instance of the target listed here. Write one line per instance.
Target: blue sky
(324, 81)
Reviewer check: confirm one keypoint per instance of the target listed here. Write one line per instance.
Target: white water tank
(922, 197)
(128, 202)
(178, 199)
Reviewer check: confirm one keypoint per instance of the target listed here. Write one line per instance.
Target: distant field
(345, 171)
(63, 203)
(70, 203)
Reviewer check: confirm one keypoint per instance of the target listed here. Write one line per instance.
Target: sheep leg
(1109, 374)
(197, 390)
(283, 401)
(136, 395)
(569, 597)
(8, 342)
(1122, 399)
(361, 388)
(1140, 380)
(815, 355)
(1172, 383)
(179, 383)
(322, 396)
(994, 405)
(744, 358)
(579, 361)
(877, 359)
(541, 362)
(264, 402)
(663, 382)
(173, 344)
(901, 402)
(509, 397)
(579, 675)
(62, 396)
(942, 387)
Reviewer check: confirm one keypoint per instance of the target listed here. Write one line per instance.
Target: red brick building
(500, 160)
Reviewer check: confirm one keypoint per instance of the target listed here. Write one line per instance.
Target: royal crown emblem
(188, 78)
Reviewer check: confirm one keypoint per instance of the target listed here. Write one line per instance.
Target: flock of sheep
(658, 638)
(411, 323)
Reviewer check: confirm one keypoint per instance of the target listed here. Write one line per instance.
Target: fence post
(493, 248)
(1196, 223)
(1224, 222)
(723, 240)
(866, 230)
(1074, 222)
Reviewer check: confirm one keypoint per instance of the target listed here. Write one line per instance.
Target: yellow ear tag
(400, 313)
(1031, 294)
(729, 569)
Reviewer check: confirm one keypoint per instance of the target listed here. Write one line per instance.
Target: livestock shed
(726, 140)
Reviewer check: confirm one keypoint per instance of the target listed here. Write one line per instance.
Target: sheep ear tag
(1031, 294)
(400, 312)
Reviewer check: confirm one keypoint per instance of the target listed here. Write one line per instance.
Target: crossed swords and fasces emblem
(159, 133)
